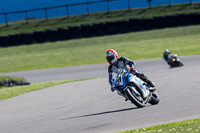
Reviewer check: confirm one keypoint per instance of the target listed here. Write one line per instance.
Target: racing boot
(145, 79)
(112, 89)
(151, 89)
(151, 84)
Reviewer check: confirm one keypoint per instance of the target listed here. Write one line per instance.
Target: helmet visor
(110, 58)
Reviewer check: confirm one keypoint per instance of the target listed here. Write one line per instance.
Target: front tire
(154, 99)
(137, 100)
(180, 64)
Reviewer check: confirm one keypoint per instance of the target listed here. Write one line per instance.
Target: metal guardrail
(67, 8)
(100, 29)
(61, 6)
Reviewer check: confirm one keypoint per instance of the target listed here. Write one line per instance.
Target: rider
(123, 63)
(166, 54)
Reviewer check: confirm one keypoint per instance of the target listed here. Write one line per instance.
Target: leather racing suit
(125, 63)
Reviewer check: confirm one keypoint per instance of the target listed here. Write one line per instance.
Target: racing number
(119, 80)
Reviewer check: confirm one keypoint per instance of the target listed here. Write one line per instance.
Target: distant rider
(116, 64)
(166, 54)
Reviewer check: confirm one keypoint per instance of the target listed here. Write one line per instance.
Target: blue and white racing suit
(124, 63)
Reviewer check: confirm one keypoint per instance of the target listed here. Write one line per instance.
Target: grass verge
(134, 45)
(186, 126)
(8, 92)
(20, 26)
(10, 78)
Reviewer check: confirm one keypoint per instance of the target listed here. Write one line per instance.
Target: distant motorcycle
(134, 89)
(174, 61)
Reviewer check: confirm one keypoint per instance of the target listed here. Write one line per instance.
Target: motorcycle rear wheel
(137, 100)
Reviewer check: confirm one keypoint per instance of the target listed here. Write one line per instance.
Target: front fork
(132, 88)
(146, 99)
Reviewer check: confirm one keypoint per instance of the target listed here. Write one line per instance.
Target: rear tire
(137, 100)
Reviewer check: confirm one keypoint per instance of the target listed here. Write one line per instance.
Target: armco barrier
(100, 29)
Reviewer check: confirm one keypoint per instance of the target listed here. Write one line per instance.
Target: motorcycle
(134, 89)
(174, 61)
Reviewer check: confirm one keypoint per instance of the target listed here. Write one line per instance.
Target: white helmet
(111, 56)
(166, 51)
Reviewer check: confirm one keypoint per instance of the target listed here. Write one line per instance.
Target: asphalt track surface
(90, 107)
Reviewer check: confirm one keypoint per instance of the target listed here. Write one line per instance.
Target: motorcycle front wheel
(154, 99)
(180, 63)
(177, 64)
(135, 99)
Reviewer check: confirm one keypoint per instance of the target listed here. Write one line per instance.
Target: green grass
(8, 92)
(186, 126)
(10, 78)
(135, 45)
(62, 22)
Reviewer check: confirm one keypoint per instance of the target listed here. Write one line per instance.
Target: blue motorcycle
(134, 89)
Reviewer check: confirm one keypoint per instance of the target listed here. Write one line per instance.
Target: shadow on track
(102, 113)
